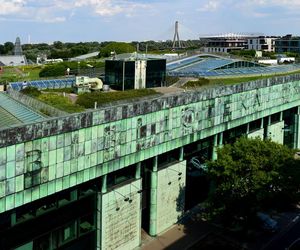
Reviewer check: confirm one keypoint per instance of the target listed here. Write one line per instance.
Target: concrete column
(98, 212)
(248, 128)
(98, 221)
(13, 218)
(138, 171)
(281, 115)
(296, 140)
(262, 123)
(74, 195)
(153, 199)
(221, 139)
(181, 154)
(104, 184)
(268, 128)
(215, 145)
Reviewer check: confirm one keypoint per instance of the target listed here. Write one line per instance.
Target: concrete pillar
(181, 154)
(13, 218)
(268, 127)
(138, 171)
(296, 138)
(153, 199)
(98, 221)
(215, 145)
(281, 115)
(98, 212)
(104, 184)
(221, 139)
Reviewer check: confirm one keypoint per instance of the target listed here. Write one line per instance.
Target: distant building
(13, 60)
(135, 72)
(262, 43)
(17, 59)
(287, 43)
(226, 42)
(18, 48)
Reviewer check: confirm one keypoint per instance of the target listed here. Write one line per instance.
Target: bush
(31, 91)
(59, 69)
(88, 100)
(53, 70)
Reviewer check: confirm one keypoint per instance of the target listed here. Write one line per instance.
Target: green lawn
(21, 73)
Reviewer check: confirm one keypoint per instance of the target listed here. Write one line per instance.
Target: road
(286, 237)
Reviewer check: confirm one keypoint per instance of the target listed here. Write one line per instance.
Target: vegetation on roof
(117, 47)
(230, 80)
(31, 91)
(61, 90)
(59, 69)
(55, 100)
(20, 73)
(60, 102)
(88, 100)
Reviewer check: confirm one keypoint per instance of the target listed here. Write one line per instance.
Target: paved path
(179, 237)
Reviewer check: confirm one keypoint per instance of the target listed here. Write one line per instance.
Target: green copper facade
(38, 160)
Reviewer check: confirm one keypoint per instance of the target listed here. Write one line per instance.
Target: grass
(88, 100)
(60, 102)
(21, 73)
(61, 90)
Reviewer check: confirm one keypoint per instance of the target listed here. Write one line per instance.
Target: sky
(37, 21)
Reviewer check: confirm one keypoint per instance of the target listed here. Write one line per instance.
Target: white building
(262, 43)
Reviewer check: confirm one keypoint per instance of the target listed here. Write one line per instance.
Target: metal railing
(35, 104)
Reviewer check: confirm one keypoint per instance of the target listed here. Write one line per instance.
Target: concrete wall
(37, 160)
(170, 195)
(121, 220)
(258, 133)
(275, 132)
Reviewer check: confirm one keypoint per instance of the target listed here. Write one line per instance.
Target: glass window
(67, 233)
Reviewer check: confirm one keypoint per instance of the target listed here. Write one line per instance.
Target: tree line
(67, 50)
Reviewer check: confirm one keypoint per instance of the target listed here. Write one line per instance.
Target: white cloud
(8, 7)
(211, 5)
(111, 7)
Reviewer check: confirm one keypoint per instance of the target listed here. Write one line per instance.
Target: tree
(8, 47)
(248, 174)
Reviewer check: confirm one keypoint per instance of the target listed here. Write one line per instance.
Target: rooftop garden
(229, 80)
(84, 100)
(88, 100)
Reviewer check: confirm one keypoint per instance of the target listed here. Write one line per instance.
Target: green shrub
(31, 91)
(53, 70)
(59, 69)
(88, 100)
(61, 90)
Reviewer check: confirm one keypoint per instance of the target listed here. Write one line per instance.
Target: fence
(35, 104)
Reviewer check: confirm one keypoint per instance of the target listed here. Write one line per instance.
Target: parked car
(267, 222)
